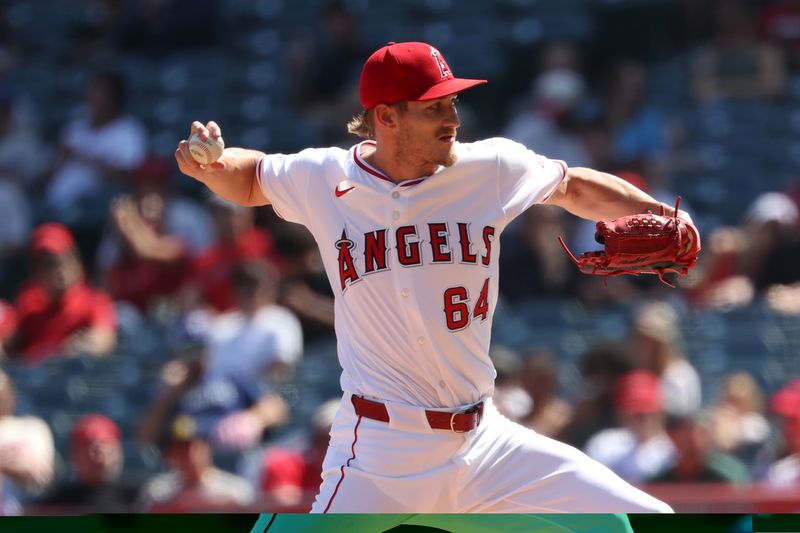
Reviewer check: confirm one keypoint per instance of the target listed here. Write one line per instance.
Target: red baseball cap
(53, 238)
(639, 391)
(408, 71)
(786, 402)
(92, 428)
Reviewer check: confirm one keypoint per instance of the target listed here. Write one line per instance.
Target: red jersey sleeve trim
(563, 175)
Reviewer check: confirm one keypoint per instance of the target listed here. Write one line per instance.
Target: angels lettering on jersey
(408, 249)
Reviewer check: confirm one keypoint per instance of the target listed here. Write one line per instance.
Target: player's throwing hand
(186, 163)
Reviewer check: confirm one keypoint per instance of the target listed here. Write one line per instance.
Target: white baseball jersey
(414, 265)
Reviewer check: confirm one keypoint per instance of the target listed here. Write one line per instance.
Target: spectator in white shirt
(259, 338)
(96, 151)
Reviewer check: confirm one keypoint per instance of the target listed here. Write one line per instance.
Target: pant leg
(512, 469)
(399, 467)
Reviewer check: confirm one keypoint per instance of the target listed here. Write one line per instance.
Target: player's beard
(412, 148)
(451, 158)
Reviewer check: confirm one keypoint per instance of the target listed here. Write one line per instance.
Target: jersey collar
(369, 169)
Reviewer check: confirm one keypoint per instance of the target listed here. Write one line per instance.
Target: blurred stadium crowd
(166, 351)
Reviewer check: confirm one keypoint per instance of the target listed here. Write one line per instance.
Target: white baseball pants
(404, 466)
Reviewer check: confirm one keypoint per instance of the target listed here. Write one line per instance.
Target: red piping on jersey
(353, 449)
(366, 168)
(564, 167)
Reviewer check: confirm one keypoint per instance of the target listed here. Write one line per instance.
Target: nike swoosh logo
(342, 192)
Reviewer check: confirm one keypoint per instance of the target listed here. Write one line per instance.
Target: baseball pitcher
(408, 223)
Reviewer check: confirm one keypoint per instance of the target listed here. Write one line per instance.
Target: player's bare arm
(595, 195)
(232, 176)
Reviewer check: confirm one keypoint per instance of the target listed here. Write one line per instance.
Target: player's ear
(385, 115)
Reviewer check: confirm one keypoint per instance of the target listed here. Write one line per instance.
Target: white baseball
(205, 152)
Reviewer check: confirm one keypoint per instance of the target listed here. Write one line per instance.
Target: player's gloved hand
(643, 244)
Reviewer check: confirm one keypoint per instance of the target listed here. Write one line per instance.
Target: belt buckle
(474, 409)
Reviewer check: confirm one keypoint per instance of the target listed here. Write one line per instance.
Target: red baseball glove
(642, 244)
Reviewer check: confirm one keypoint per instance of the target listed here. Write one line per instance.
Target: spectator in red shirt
(151, 264)
(58, 312)
(239, 241)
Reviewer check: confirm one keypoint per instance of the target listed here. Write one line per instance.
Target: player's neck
(393, 167)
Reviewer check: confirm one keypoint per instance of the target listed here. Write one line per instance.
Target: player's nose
(451, 119)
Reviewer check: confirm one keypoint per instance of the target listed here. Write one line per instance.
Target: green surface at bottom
(453, 523)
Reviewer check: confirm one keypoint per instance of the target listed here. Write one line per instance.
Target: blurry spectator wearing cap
(27, 452)
(698, 460)
(785, 472)
(183, 217)
(758, 257)
(656, 346)
(548, 126)
(267, 338)
(151, 238)
(640, 449)
(601, 366)
(97, 459)
(234, 409)
(735, 64)
(238, 241)
(289, 478)
(58, 313)
(97, 154)
(194, 483)
(151, 264)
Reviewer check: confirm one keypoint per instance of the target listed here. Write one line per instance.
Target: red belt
(458, 422)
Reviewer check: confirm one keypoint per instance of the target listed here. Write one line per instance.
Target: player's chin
(450, 159)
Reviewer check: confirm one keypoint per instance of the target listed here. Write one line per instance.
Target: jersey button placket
(398, 208)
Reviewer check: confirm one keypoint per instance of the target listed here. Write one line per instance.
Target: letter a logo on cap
(443, 68)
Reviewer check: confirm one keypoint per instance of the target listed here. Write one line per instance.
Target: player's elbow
(572, 188)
